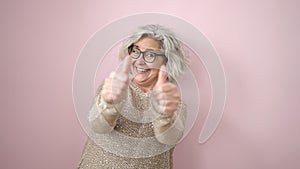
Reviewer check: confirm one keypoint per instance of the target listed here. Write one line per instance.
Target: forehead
(147, 43)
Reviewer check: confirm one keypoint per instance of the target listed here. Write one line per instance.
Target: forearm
(169, 129)
(102, 116)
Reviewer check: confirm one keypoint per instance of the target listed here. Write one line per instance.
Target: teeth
(141, 70)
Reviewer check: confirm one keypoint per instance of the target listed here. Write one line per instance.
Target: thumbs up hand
(116, 84)
(165, 93)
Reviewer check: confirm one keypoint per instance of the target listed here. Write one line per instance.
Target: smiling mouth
(141, 70)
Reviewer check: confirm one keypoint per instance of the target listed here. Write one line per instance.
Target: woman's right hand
(116, 84)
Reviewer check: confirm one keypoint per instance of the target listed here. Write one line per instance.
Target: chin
(140, 78)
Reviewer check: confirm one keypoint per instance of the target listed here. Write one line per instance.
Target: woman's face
(145, 74)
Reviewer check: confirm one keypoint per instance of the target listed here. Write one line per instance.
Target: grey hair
(169, 44)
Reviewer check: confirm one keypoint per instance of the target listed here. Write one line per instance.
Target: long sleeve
(102, 116)
(169, 129)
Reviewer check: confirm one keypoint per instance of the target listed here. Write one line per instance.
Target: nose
(140, 60)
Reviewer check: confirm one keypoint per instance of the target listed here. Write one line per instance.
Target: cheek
(132, 65)
(154, 72)
(157, 64)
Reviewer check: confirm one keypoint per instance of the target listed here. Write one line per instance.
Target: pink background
(258, 42)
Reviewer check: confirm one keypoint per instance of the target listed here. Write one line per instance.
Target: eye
(135, 51)
(150, 55)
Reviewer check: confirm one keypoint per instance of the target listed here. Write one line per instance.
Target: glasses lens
(135, 53)
(149, 56)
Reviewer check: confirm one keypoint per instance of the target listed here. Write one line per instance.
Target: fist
(165, 94)
(116, 84)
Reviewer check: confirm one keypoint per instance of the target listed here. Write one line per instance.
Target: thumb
(162, 75)
(126, 64)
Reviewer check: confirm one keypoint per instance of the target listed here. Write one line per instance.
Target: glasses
(148, 56)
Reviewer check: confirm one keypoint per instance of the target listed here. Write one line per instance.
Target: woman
(138, 117)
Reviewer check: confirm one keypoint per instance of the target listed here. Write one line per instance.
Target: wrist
(107, 110)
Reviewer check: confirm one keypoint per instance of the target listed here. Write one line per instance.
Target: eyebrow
(146, 49)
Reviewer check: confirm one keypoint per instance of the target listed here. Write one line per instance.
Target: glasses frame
(130, 48)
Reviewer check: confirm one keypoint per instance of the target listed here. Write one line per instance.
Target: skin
(146, 80)
(148, 76)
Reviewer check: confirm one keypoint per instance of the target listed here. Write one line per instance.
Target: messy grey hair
(169, 44)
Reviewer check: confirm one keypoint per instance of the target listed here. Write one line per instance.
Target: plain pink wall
(258, 42)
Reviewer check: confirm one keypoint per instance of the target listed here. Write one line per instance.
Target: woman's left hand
(165, 93)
